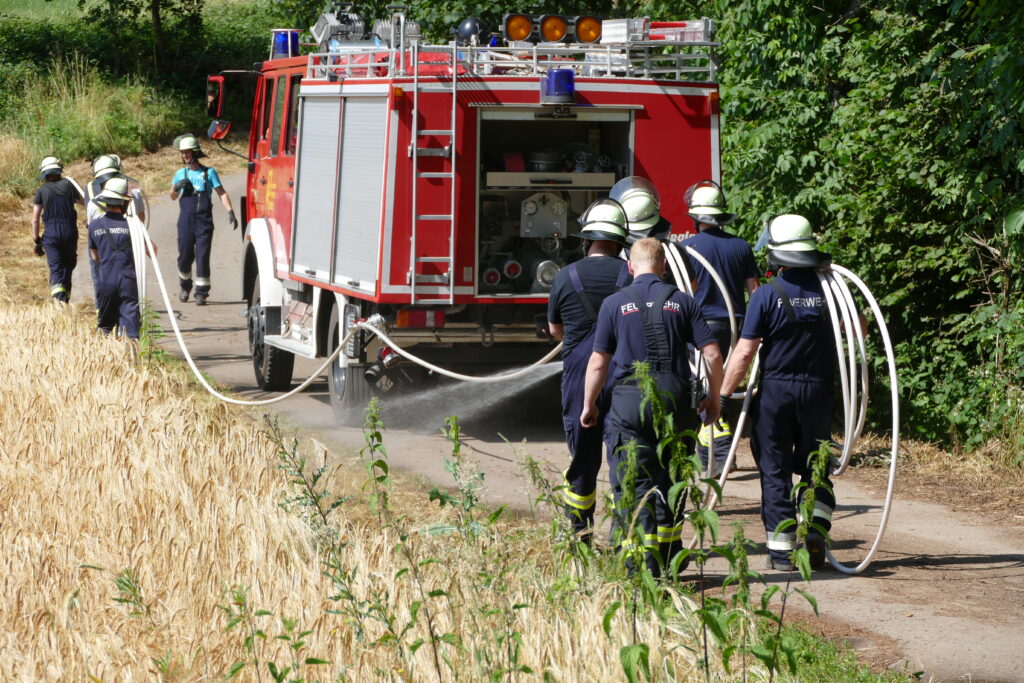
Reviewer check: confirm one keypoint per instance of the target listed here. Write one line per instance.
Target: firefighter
(55, 202)
(195, 185)
(792, 409)
(648, 321)
(642, 204)
(576, 297)
(110, 248)
(732, 258)
(105, 167)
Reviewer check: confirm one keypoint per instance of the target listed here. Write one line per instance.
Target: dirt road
(945, 594)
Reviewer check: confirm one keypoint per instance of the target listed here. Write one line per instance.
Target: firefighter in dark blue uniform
(195, 185)
(731, 257)
(642, 204)
(649, 321)
(110, 247)
(104, 168)
(55, 203)
(575, 299)
(792, 410)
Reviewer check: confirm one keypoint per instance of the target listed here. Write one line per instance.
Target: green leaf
(1015, 221)
(609, 614)
(635, 659)
(493, 517)
(810, 599)
(313, 661)
(235, 668)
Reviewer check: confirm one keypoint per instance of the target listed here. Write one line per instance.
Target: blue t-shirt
(620, 329)
(732, 257)
(801, 350)
(598, 275)
(196, 178)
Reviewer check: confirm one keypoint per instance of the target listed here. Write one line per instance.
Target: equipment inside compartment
(536, 177)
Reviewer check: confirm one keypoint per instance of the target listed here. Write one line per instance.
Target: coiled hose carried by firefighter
(850, 348)
(330, 359)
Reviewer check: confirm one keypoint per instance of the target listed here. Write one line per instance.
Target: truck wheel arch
(259, 262)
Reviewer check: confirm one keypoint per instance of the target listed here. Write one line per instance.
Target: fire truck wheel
(272, 366)
(350, 392)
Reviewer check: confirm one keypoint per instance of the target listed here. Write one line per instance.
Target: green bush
(895, 129)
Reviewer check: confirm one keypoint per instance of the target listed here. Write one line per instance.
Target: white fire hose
(850, 347)
(330, 359)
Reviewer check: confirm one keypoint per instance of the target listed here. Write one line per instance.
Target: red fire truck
(435, 189)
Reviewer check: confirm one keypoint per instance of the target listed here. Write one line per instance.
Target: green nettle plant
(733, 625)
(736, 629)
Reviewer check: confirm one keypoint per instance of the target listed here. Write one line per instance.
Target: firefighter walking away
(650, 321)
(54, 202)
(792, 409)
(576, 296)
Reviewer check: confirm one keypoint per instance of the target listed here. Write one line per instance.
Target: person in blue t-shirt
(577, 294)
(195, 185)
(731, 257)
(649, 321)
(792, 409)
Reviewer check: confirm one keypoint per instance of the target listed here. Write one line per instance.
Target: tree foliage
(895, 128)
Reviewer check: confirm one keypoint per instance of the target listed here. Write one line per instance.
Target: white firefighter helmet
(105, 165)
(705, 203)
(188, 143)
(605, 219)
(115, 192)
(50, 166)
(640, 201)
(791, 242)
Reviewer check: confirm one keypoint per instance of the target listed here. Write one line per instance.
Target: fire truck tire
(350, 392)
(272, 366)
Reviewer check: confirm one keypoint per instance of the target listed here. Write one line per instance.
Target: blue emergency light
(558, 86)
(285, 43)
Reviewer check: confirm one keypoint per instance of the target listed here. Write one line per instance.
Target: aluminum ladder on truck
(442, 286)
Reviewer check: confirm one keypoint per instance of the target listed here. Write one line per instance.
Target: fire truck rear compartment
(539, 170)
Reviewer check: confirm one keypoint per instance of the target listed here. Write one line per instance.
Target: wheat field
(113, 467)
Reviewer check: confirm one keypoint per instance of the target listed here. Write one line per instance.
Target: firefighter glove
(723, 401)
(39, 247)
(232, 220)
(183, 185)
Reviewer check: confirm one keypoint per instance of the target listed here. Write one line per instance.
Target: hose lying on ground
(330, 359)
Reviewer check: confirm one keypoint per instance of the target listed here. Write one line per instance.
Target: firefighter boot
(815, 545)
(783, 564)
(200, 299)
(183, 296)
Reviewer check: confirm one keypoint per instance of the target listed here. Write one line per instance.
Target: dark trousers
(659, 528)
(580, 492)
(195, 240)
(119, 306)
(61, 247)
(790, 419)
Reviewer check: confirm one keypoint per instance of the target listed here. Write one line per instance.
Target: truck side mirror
(214, 96)
(218, 129)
